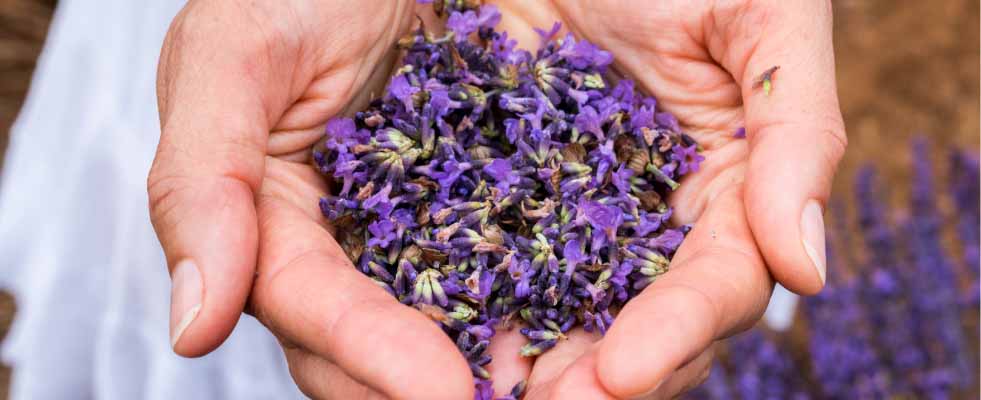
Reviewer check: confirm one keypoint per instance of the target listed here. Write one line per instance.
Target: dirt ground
(904, 67)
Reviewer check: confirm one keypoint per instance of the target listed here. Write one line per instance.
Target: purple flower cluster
(491, 186)
(934, 289)
(765, 371)
(964, 177)
(898, 323)
(843, 356)
(758, 368)
(883, 276)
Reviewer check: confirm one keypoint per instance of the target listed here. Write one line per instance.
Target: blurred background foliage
(898, 320)
(905, 68)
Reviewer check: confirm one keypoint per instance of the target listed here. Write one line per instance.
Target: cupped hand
(244, 89)
(756, 203)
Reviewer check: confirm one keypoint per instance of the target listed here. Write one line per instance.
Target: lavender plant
(934, 290)
(841, 341)
(964, 177)
(490, 185)
(764, 371)
(885, 290)
(889, 327)
(963, 189)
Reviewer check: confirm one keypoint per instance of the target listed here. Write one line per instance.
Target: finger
(208, 164)
(796, 133)
(551, 365)
(717, 284)
(579, 381)
(309, 292)
(686, 378)
(319, 379)
(509, 367)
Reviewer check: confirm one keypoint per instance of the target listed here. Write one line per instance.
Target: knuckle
(175, 198)
(164, 193)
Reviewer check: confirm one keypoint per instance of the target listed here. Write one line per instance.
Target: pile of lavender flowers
(901, 321)
(491, 185)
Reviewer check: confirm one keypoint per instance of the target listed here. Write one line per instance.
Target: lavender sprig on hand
(490, 185)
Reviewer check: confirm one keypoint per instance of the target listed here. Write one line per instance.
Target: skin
(244, 90)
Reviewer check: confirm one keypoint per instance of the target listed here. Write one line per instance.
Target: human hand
(244, 89)
(754, 199)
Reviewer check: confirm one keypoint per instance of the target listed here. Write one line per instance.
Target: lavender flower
(501, 171)
(933, 300)
(494, 186)
(687, 158)
(842, 352)
(964, 175)
(889, 326)
(886, 290)
(764, 371)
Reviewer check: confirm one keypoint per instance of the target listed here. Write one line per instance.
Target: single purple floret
(740, 133)
(688, 158)
(502, 172)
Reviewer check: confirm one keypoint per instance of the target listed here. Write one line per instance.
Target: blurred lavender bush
(900, 322)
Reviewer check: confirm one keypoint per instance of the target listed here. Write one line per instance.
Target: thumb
(209, 164)
(796, 135)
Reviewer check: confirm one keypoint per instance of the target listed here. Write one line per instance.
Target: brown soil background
(904, 68)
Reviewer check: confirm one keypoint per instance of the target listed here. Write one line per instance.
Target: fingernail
(812, 236)
(185, 298)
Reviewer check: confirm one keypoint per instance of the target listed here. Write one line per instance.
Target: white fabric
(76, 246)
(781, 310)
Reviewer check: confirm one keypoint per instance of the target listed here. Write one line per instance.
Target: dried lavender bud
(492, 184)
